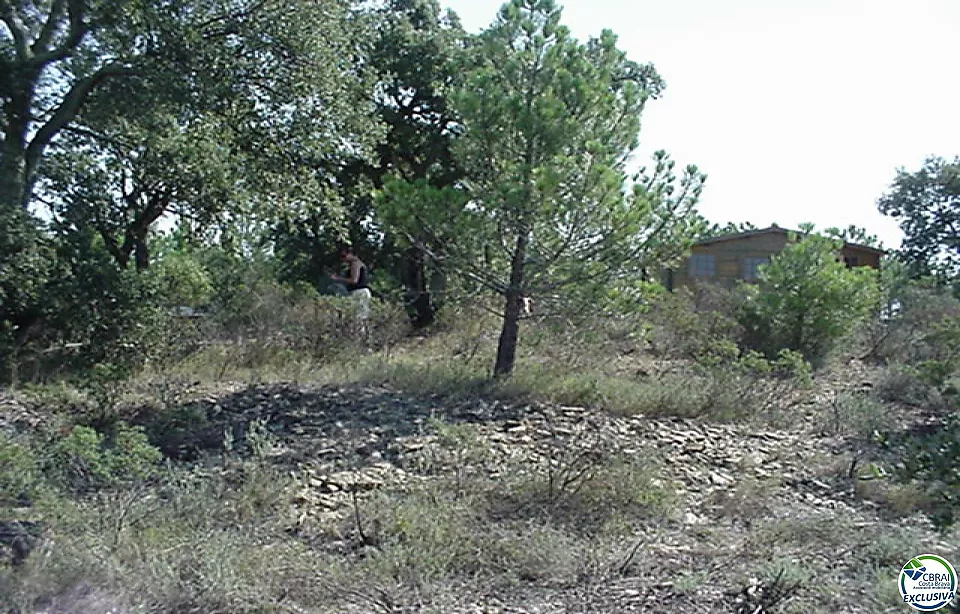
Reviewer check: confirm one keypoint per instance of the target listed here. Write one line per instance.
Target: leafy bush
(86, 460)
(698, 324)
(26, 266)
(922, 323)
(578, 335)
(20, 477)
(934, 460)
(182, 280)
(92, 312)
(929, 385)
(806, 299)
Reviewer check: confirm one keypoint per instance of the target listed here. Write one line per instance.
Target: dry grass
(574, 518)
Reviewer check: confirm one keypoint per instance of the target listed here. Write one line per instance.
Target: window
(851, 261)
(750, 266)
(703, 265)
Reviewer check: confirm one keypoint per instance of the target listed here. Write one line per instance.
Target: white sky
(798, 110)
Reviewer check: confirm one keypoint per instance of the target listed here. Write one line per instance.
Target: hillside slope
(365, 498)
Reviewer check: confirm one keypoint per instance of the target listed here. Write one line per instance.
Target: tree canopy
(926, 203)
(545, 208)
(281, 127)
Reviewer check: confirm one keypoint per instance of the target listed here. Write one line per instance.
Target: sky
(797, 110)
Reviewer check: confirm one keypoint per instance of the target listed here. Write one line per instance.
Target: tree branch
(66, 111)
(231, 16)
(103, 138)
(109, 240)
(17, 30)
(49, 27)
(77, 30)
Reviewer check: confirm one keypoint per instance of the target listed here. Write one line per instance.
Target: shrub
(934, 460)
(20, 477)
(584, 482)
(26, 266)
(908, 385)
(753, 386)
(922, 323)
(806, 299)
(859, 416)
(183, 280)
(698, 324)
(93, 312)
(86, 460)
(577, 336)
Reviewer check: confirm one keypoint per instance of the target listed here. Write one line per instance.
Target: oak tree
(927, 205)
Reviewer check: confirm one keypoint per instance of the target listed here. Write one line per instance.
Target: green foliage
(141, 169)
(749, 387)
(903, 384)
(918, 338)
(20, 475)
(698, 324)
(934, 460)
(91, 312)
(416, 55)
(113, 133)
(182, 278)
(788, 364)
(918, 325)
(26, 265)
(103, 383)
(927, 205)
(854, 234)
(422, 213)
(547, 126)
(858, 415)
(87, 460)
(806, 299)
(730, 228)
(944, 339)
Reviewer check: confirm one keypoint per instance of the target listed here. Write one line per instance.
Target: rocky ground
(760, 519)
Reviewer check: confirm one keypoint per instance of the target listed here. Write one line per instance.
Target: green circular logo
(928, 582)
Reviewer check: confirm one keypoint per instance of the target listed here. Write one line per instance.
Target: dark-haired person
(357, 282)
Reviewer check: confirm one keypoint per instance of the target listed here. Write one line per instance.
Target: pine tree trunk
(509, 337)
(510, 334)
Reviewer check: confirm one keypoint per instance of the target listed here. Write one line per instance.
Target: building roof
(776, 230)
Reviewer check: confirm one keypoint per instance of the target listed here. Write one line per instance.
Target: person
(357, 283)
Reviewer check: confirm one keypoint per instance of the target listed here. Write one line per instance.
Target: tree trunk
(798, 329)
(510, 334)
(419, 286)
(11, 180)
(142, 254)
(13, 156)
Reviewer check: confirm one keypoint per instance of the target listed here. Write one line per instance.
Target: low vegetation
(161, 486)
(192, 421)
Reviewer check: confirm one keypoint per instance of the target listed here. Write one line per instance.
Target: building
(730, 258)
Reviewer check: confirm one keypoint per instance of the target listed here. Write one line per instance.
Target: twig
(633, 552)
(356, 516)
